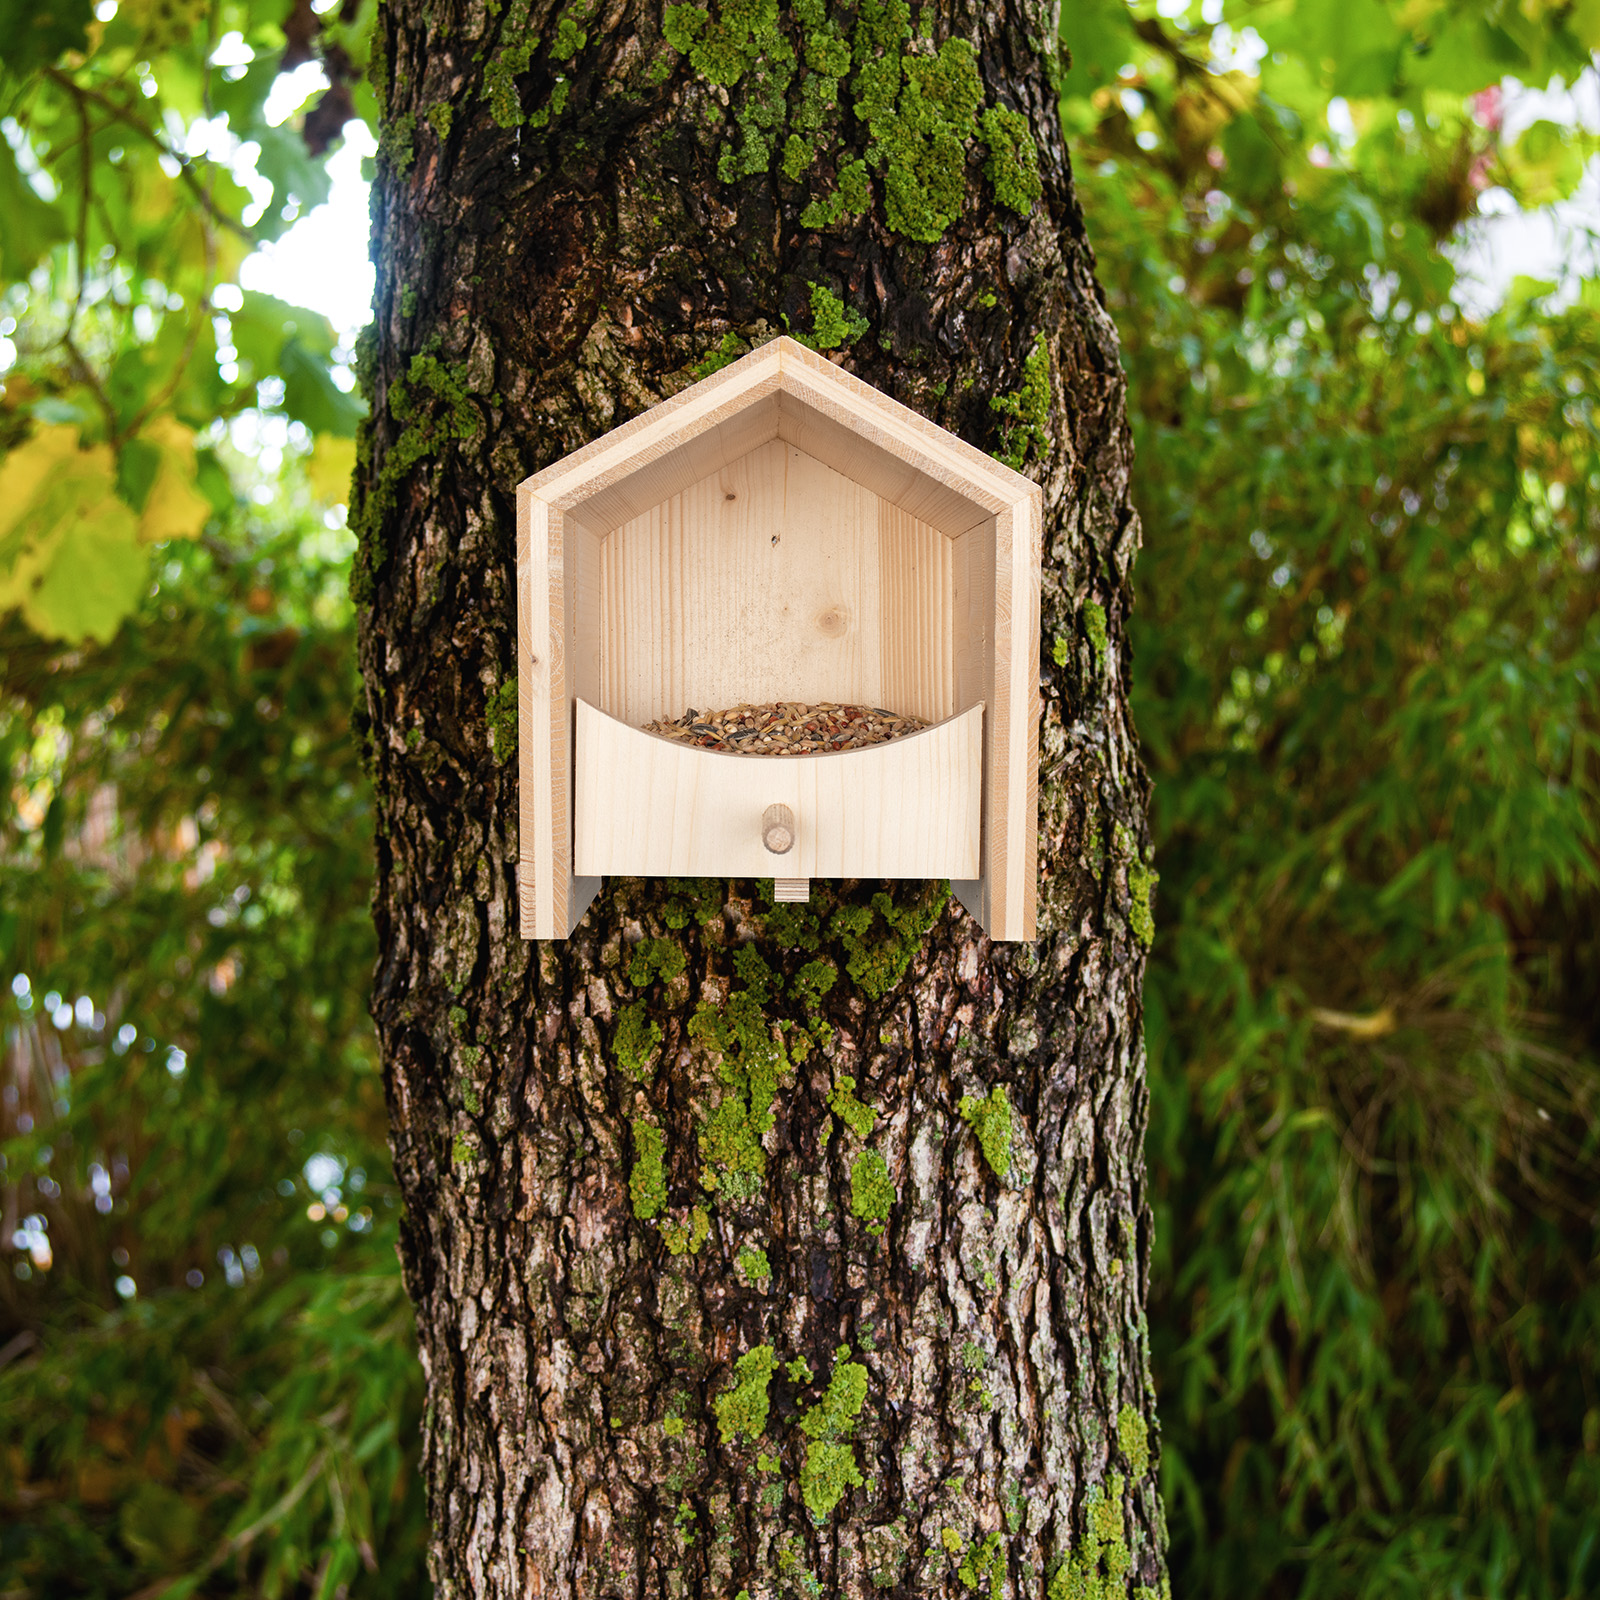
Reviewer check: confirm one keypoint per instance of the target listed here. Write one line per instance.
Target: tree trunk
(685, 1334)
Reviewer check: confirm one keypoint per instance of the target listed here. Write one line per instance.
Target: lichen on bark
(633, 1160)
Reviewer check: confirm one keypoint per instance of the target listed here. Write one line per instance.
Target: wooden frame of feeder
(778, 531)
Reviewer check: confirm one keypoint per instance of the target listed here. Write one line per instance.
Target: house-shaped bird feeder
(781, 536)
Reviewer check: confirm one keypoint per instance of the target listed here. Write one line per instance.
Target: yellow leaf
(174, 508)
(26, 468)
(329, 467)
(69, 553)
(1547, 162)
(228, 253)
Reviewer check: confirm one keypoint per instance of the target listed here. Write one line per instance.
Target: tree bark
(679, 1341)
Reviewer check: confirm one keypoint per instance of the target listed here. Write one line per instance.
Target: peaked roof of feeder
(781, 390)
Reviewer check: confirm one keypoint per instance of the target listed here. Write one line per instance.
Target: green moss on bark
(856, 1115)
(656, 958)
(828, 59)
(697, 900)
(1025, 433)
(984, 1566)
(730, 1147)
(1133, 1435)
(1094, 627)
(635, 1042)
(1141, 914)
(990, 1120)
(686, 1238)
(834, 1415)
(920, 110)
(726, 352)
(752, 970)
(742, 1411)
(570, 37)
(741, 46)
(499, 81)
(871, 1189)
(752, 1063)
(1097, 1567)
(850, 197)
(553, 107)
(1013, 165)
(834, 325)
(754, 1266)
(648, 1184)
(397, 141)
(881, 938)
(924, 141)
(830, 1466)
(681, 27)
(828, 1472)
(433, 404)
(501, 715)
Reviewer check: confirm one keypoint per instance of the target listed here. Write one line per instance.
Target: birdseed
(786, 728)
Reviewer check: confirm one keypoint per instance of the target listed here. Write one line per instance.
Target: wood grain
(781, 390)
(536, 797)
(917, 644)
(759, 583)
(651, 807)
(778, 531)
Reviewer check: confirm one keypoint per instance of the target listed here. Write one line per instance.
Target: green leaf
(261, 327)
(1342, 39)
(34, 35)
(242, 100)
(137, 467)
(1253, 162)
(275, 338)
(293, 173)
(328, 470)
(173, 505)
(1463, 55)
(158, 1526)
(32, 225)
(1098, 35)
(311, 396)
(211, 479)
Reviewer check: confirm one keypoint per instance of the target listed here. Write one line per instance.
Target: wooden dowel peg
(777, 829)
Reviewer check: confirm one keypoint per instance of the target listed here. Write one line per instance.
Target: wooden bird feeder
(780, 531)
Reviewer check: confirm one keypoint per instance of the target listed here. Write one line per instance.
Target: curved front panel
(648, 807)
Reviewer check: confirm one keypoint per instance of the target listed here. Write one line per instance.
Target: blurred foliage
(1365, 666)
(140, 164)
(210, 1368)
(207, 1370)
